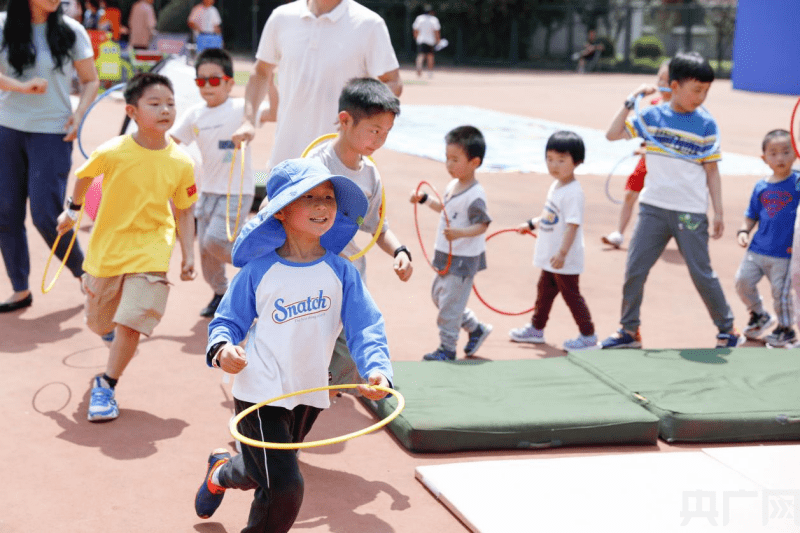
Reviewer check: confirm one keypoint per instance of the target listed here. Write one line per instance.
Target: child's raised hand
(645, 89)
(245, 133)
(376, 378)
(415, 198)
(232, 358)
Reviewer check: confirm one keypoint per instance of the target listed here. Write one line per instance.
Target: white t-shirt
(458, 208)
(369, 180)
(564, 205)
(315, 57)
(212, 128)
(206, 18)
(427, 26)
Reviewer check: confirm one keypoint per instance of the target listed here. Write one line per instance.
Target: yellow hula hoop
(46, 288)
(326, 137)
(232, 234)
(401, 403)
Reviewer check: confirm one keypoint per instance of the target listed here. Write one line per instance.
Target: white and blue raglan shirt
(672, 182)
(301, 309)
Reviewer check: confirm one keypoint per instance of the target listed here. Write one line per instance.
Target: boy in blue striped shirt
(682, 175)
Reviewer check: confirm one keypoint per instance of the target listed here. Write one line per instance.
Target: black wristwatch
(403, 249)
(630, 102)
(211, 354)
(72, 206)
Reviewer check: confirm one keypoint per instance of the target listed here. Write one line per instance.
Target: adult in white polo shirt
(204, 18)
(316, 46)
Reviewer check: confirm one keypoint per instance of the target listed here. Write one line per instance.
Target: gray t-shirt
(48, 112)
(369, 180)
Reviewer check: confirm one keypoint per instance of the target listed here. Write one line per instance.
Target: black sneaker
(782, 336)
(758, 325)
(209, 310)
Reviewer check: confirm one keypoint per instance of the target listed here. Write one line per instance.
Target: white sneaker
(582, 342)
(615, 239)
(527, 334)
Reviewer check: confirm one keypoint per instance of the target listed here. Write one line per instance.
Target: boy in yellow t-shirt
(129, 250)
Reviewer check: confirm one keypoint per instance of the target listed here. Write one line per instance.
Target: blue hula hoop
(85, 115)
(649, 138)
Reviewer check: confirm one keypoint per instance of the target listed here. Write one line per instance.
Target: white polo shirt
(427, 26)
(206, 19)
(315, 57)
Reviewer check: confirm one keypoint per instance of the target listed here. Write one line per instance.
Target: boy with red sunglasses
(211, 125)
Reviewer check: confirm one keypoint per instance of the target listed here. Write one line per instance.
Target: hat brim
(264, 233)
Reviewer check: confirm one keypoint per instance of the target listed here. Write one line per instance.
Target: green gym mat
(730, 395)
(529, 404)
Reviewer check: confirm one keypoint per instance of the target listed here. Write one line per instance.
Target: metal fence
(535, 33)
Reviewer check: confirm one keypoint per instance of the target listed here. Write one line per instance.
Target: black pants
(274, 474)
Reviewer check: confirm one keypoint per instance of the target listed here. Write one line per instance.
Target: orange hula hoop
(475, 286)
(419, 233)
(46, 288)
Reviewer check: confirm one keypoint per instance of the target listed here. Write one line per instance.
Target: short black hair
(774, 134)
(690, 66)
(366, 97)
(470, 139)
(567, 142)
(141, 81)
(217, 56)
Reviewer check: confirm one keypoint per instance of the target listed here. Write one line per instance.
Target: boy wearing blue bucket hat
(303, 293)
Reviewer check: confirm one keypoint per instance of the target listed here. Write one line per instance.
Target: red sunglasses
(214, 81)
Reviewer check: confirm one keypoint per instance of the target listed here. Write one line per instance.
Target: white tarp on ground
(516, 143)
(743, 489)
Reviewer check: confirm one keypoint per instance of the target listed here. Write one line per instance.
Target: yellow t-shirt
(135, 229)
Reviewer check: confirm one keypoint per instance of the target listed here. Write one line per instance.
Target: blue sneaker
(210, 495)
(440, 354)
(102, 405)
(476, 338)
(731, 339)
(622, 339)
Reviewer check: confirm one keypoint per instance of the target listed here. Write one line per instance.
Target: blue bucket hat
(287, 182)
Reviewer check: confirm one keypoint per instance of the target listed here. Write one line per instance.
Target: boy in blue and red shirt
(773, 207)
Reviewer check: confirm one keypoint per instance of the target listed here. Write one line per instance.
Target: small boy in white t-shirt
(460, 249)
(559, 246)
(211, 125)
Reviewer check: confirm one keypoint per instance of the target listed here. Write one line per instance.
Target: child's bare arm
(529, 226)
(617, 130)
(388, 242)
(425, 198)
(65, 221)
(743, 235)
(715, 193)
(557, 261)
(185, 219)
(470, 231)
(32, 86)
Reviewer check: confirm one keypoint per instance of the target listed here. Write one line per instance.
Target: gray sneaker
(582, 342)
(527, 334)
(782, 336)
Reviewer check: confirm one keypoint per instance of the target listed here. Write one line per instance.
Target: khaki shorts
(133, 300)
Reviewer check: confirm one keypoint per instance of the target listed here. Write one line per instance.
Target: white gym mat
(773, 467)
(638, 492)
